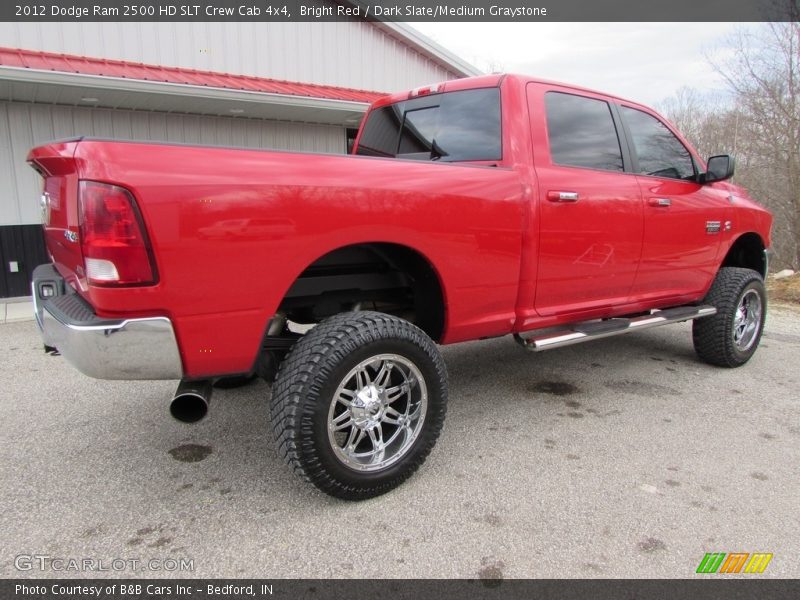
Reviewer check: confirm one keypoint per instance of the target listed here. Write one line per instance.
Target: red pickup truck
(474, 208)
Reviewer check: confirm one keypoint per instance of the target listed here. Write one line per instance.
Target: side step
(594, 330)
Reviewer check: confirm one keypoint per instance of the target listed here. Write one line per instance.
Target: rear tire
(731, 337)
(358, 404)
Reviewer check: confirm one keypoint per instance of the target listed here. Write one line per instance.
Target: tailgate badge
(44, 206)
(71, 236)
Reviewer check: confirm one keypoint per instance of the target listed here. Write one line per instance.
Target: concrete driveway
(624, 457)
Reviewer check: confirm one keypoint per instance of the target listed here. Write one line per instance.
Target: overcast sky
(646, 62)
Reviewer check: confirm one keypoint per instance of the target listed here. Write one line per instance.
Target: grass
(784, 290)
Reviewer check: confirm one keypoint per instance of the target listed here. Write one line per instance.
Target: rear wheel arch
(382, 276)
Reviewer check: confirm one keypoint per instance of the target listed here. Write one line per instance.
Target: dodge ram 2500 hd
(474, 208)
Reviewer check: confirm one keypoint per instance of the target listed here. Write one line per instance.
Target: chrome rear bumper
(102, 348)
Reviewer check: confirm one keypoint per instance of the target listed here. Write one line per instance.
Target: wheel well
(747, 252)
(383, 277)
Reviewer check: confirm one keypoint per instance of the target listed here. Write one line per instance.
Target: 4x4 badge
(713, 226)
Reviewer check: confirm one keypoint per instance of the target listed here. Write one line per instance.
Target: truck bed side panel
(232, 230)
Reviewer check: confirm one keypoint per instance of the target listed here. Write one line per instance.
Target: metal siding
(9, 206)
(83, 121)
(157, 125)
(28, 183)
(348, 54)
(63, 123)
(102, 122)
(140, 125)
(23, 126)
(121, 125)
(252, 137)
(174, 128)
(25, 245)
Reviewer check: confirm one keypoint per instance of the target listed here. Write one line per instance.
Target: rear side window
(450, 127)
(659, 152)
(582, 132)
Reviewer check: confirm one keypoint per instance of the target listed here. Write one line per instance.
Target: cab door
(589, 208)
(684, 221)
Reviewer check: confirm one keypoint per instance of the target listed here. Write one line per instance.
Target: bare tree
(707, 120)
(763, 73)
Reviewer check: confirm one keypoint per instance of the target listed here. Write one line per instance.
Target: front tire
(730, 337)
(358, 404)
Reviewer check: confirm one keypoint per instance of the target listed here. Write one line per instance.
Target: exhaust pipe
(191, 401)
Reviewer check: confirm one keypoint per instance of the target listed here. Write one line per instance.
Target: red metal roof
(85, 65)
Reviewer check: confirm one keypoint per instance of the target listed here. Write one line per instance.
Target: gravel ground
(624, 457)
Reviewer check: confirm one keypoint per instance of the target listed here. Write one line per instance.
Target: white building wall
(24, 125)
(347, 54)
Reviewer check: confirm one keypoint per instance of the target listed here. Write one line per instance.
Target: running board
(594, 330)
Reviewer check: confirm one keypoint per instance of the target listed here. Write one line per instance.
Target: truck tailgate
(59, 207)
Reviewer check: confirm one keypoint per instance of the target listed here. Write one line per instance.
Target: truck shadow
(498, 386)
(232, 455)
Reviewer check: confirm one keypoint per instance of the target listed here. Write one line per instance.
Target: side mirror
(719, 168)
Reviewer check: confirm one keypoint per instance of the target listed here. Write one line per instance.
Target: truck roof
(486, 81)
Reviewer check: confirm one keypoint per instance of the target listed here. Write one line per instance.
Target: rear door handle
(660, 202)
(555, 196)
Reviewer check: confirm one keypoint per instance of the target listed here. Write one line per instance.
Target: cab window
(449, 127)
(660, 153)
(582, 133)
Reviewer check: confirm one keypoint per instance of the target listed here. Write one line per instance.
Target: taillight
(115, 247)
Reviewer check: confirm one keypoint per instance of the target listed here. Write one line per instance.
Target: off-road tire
(311, 374)
(714, 336)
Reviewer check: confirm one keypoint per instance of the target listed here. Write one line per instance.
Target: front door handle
(555, 196)
(660, 202)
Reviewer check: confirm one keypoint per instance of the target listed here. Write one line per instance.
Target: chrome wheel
(359, 403)
(377, 412)
(747, 320)
(730, 337)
